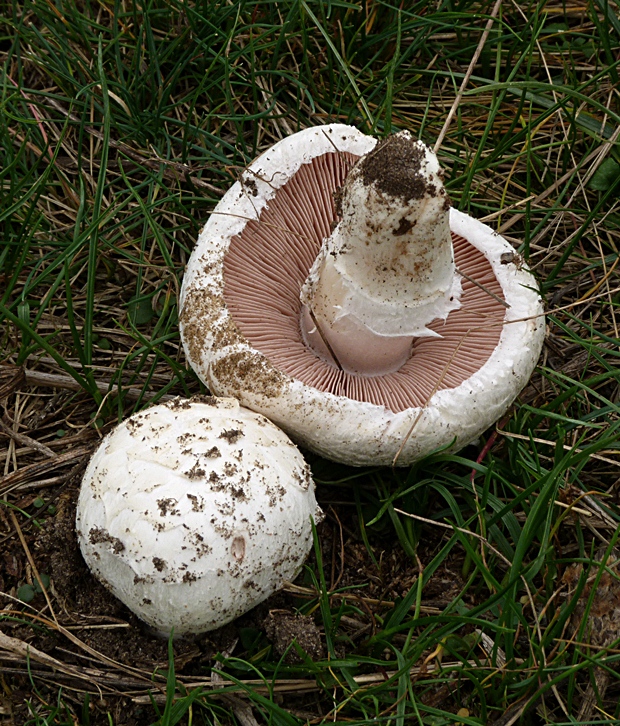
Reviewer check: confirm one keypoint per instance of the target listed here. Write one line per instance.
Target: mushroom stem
(387, 270)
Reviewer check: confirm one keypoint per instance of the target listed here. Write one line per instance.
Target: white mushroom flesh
(193, 512)
(387, 270)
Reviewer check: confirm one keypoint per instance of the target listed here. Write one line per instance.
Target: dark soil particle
(99, 536)
(179, 404)
(338, 202)
(231, 435)
(167, 506)
(197, 504)
(404, 226)
(396, 167)
(196, 472)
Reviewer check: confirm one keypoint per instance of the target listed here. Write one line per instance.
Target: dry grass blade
(37, 470)
(53, 380)
(28, 653)
(26, 440)
(468, 73)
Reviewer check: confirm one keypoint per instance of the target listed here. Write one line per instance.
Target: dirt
(287, 630)
(402, 154)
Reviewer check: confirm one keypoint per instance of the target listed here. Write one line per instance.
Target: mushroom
(194, 511)
(374, 328)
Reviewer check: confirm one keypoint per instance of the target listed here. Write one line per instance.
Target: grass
(471, 588)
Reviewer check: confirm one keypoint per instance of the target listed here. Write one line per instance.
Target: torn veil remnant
(384, 324)
(194, 511)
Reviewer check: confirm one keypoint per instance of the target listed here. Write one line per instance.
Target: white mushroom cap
(240, 318)
(193, 512)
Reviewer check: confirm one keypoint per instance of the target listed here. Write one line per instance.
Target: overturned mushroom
(193, 512)
(406, 328)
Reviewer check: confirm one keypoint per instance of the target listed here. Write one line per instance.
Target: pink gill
(267, 264)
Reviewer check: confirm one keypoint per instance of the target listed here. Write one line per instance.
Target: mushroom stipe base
(240, 318)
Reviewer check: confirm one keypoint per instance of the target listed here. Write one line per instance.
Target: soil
(285, 629)
(402, 154)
